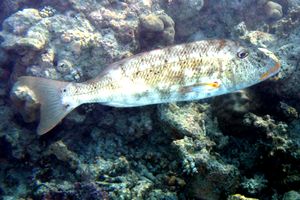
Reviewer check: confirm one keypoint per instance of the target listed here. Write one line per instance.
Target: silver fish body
(178, 73)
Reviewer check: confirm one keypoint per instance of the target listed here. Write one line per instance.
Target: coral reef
(182, 12)
(254, 185)
(157, 29)
(200, 134)
(228, 147)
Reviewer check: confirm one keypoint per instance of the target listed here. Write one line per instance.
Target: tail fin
(49, 95)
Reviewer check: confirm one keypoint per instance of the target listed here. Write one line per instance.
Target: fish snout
(271, 72)
(273, 66)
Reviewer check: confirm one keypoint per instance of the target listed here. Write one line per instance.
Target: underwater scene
(149, 99)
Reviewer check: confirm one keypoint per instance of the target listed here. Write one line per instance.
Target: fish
(183, 72)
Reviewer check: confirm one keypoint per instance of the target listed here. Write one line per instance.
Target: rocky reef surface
(239, 146)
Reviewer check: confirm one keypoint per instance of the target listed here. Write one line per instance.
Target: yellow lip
(272, 70)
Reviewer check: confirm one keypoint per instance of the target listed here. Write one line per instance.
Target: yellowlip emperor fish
(178, 73)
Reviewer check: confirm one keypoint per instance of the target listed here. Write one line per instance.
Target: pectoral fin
(200, 87)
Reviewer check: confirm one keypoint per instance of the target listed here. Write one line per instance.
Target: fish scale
(178, 73)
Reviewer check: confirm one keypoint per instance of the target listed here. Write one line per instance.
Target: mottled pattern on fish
(179, 73)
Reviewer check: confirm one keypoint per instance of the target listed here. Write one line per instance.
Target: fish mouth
(273, 70)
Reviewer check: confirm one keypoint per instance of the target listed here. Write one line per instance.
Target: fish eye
(242, 54)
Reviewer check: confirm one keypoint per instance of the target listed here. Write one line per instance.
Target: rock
(169, 31)
(25, 102)
(152, 23)
(259, 38)
(287, 112)
(273, 10)
(184, 14)
(3, 57)
(186, 8)
(240, 197)
(156, 29)
(209, 184)
(187, 120)
(61, 151)
(20, 22)
(254, 185)
(194, 123)
(291, 195)
(175, 181)
(19, 32)
(47, 11)
(55, 40)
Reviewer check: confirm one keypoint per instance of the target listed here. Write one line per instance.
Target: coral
(18, 142)
(273, 10)
(188, 9)
(8, 7)
(276, 133)
(25, 102)
(156, 194)
(157, 29)
(19, 25)
(208, 173)
(286, 25)
(200, 134)
(152, 23)
(240, 197)
(61, 151)
(259, 38)
(230, 109)
(89, 191)
(182, 12)
(277, 144)
(186, 120)
(287, 112)
(78, 190)
(254, 185)
(291, 195)
(60, 44)
(47, 12)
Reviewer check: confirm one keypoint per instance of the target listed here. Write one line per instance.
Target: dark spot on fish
(140, 95)
(122, 68)
(164, 93)
(67, 106)
(185, 90)
(168, 50)
(221, 43)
